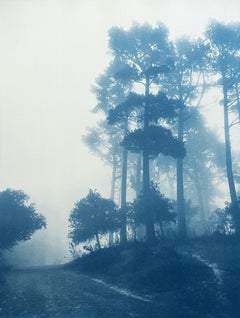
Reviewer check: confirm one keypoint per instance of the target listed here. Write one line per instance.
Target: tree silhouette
(204, 162)
(109, 92)
(18, 218)
(185, 83)
(144, 54)
(92, 216)
(160, 207)
(224, 56)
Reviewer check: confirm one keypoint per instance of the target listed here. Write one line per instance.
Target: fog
(50, 55)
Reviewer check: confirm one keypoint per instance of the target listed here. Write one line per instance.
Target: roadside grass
(158, 267)
(225, 252)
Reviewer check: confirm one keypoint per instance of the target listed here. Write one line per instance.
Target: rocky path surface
(55, 292)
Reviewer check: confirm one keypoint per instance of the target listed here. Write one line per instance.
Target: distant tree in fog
(103, 141)
(148, 95)
(109, 92)
(185, 83)
(91, 217)
(204, 163)
(143, 53)
(18, 218)
(224, 41)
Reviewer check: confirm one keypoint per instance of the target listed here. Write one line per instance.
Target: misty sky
(50, 54)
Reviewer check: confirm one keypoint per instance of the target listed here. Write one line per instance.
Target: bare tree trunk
(182, 227)
(113, 185)
(231, 184)
(98, 241)
(161, 228)
(200, 195)
(113, 181)
(123, 230)
(150, 231)
(238, 101)
(138, 175)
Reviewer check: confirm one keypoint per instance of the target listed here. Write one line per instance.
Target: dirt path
(57, 292)
(61, 293)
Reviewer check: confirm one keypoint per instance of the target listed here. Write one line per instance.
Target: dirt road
(55, 292)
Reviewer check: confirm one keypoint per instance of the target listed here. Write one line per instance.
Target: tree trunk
(98, 241)
(182, 227)
(113, 185)
(238, 101)
(172, 192)
(161, 228)
(138, 175)
(199, 194)
(150, 231)
(232, 189)
(123, 230)
(113, 181)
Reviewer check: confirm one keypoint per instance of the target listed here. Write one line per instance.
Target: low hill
(175, 274)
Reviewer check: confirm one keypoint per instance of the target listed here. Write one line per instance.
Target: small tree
(18, 218)
(92, 216)
(156, 204)
(222, 220)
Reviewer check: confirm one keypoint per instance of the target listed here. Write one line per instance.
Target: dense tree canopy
(153, 95)
(161, 208)
(144, 57)
(18, 218)
(92, 216)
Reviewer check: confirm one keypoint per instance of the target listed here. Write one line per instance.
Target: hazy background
(50, 54)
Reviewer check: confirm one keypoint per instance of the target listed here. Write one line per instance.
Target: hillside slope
(170, 273)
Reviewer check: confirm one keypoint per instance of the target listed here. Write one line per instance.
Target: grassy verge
(187, 286)
(225, 252)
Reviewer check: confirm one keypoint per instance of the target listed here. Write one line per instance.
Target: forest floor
(200, 279)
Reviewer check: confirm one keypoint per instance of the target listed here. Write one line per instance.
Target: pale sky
(51, 52)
